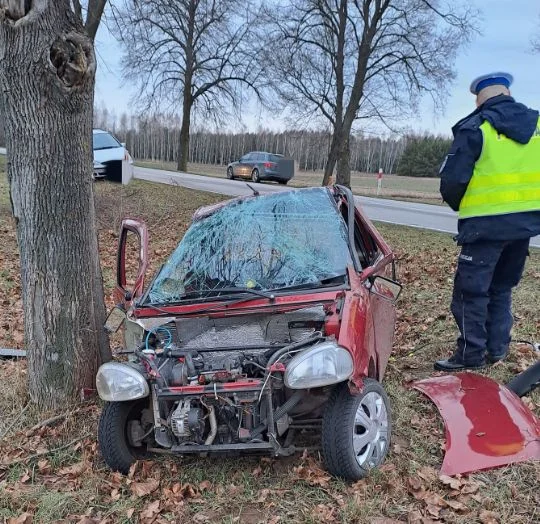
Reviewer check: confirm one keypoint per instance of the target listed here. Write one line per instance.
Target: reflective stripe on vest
(506, 177)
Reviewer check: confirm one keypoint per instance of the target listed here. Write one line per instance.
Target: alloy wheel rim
(370, 430)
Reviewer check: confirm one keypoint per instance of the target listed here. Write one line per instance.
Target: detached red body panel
(486, 424)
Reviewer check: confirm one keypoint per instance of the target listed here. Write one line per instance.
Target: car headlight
(117, 382)
(323, 364)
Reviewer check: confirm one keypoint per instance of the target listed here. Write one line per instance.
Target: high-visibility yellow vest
(506, 177)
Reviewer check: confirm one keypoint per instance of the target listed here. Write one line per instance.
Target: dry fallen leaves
(324, 513)
(488, 517)
(74, 470)
(450, 481)
(25, 518)
(311, 472)
(150, 511)
(427, 473)
(141, 489)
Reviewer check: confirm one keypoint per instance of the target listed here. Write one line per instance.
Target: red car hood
(487, 425)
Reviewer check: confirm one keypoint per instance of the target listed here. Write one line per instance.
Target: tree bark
(183, 142)
(333, 155)
(47, 71)
(330, 163)
(344, 160)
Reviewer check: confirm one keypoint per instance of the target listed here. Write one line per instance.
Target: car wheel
(283, 182)
(230, 173)
(255, 175)
(356, 430)
(114, 443)
(526, 381)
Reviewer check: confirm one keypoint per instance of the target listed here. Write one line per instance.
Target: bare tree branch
(195, 55)
(344, 60)
(77, 8)
(93, 16)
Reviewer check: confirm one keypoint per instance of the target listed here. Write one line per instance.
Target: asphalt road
(424, 216)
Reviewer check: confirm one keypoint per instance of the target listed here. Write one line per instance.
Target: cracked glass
(283, 240)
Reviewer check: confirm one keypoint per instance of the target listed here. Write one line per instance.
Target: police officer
(491, 176)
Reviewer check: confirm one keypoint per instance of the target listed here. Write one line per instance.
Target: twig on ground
(17, 418)
(46, 452)
(50, 421)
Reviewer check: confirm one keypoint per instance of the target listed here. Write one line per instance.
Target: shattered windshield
(288, 239)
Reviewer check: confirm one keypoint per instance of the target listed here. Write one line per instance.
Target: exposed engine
(191, 354)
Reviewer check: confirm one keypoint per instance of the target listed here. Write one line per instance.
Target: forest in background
(157, 139)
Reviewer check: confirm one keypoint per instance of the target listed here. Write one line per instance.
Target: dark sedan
(259, 166)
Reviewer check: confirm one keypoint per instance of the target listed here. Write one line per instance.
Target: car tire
(115, 448)
(347, 416)
(282, 182)
(230, 173)
(255, 176)
(526, 381)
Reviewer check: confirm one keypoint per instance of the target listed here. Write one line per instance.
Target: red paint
(138, 228)
(361, 321)
(279, 305)
(186, 389)
(278, 366)
(247, 383)
(486, 424)
(229, 386)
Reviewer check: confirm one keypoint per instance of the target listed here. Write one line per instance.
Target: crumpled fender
(486, 424)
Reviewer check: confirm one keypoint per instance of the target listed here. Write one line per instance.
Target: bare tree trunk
(183, 143)
(344, 161)
(47, 85)
(333, 156)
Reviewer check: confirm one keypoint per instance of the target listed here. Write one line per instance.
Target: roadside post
(379, 180)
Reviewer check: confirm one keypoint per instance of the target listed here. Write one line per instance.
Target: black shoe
(496, 358)
(451, 364)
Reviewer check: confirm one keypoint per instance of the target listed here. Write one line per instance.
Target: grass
(394, 187)
(65, 485)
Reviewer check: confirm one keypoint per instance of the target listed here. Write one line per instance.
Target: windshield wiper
(323, 282)
(231, 290)
(207, 293)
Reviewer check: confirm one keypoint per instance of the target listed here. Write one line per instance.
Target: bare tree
(192, 54)
(47, 70)
(348, 59)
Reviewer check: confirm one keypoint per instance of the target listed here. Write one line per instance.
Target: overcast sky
(504, 45)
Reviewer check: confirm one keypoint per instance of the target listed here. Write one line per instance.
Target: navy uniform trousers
(482, 299)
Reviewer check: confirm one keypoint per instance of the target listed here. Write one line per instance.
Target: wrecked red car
(272, 320)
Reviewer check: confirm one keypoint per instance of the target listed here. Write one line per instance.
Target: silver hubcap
(370, 430)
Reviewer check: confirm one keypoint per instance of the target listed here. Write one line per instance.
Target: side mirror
(123, 144)
(116, 318)
(385, 288)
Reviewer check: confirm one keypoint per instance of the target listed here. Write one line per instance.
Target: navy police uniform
(494, 247)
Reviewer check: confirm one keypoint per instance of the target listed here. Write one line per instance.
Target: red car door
(369, 311)
(133, 236)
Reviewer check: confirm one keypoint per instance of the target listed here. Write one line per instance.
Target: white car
(111, 158)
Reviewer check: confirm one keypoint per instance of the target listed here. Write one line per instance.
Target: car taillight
(269, 164)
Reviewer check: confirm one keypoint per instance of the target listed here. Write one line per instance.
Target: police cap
(491, 79)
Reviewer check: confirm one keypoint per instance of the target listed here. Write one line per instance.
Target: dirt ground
(54, 473)
(394, 187)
